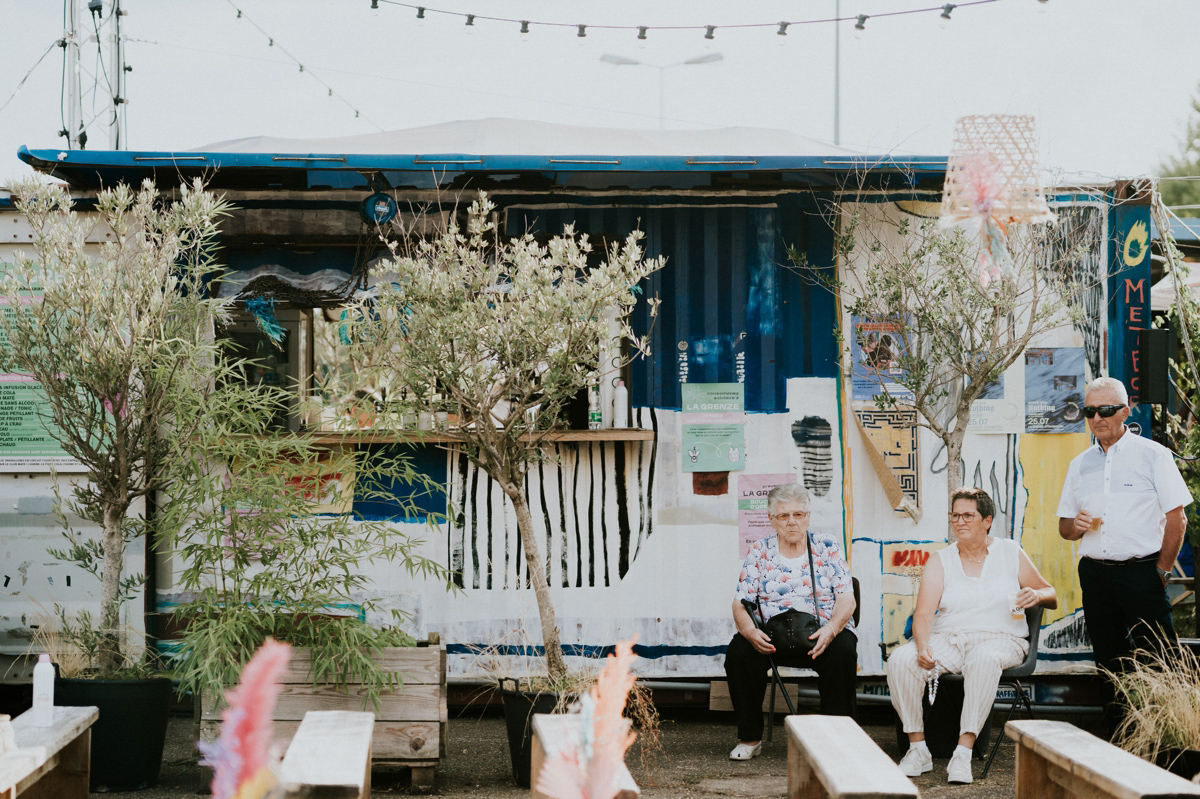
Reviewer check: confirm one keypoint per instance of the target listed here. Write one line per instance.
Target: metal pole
(837, 73)
(662, 73)
(74, 100)
(117, 71)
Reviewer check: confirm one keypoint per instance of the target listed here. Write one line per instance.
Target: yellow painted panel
(1044, 461)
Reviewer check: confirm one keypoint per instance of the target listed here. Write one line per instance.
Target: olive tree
(119, 336)
(503, 333)
(957, 336)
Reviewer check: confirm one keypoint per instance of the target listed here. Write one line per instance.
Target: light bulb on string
(641, 37)
(470, 24)
(524, 30)
(420, 16)
(944, 17)
(581, 35)
(781, 34)
(709, 30)
(860, 25)
(1042, 6)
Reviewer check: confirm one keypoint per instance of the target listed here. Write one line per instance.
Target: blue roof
(501, 149)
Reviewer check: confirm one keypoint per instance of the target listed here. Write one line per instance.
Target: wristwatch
(1165, 574)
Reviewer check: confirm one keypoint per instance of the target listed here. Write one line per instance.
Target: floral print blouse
(780, 586)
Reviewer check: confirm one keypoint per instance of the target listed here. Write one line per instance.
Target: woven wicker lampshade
(993, 172)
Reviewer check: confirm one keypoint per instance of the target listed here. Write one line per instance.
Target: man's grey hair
(792, 492)
(1110, 383)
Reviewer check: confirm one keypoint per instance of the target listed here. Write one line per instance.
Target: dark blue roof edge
(48, 160)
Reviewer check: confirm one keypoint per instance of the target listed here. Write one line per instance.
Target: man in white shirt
(1131, 487)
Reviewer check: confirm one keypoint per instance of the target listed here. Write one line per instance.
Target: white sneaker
(916, 762)
(746, 751)
(959, 769)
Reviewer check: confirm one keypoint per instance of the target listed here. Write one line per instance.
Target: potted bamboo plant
(278, 551)
(118, 337)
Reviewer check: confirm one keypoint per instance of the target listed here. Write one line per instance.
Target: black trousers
(746, 669)
(1125, 608)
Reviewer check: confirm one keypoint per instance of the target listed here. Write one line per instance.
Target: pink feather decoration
(982, 175)
(580, 771)
(240, 757)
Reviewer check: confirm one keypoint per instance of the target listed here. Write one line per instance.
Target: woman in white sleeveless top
(965, 622)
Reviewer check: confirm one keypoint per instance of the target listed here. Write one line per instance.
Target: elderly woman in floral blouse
(775, 576)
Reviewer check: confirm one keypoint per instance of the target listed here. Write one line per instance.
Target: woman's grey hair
(1110, 383)
(792, 492)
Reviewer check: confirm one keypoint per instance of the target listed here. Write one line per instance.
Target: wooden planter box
(410, 726)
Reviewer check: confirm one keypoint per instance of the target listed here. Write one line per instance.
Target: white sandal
(746, 751)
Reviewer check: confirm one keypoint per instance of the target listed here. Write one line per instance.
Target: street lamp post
(622, 61)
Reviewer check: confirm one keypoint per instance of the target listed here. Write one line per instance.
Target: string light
(709, 30)
(280, 48)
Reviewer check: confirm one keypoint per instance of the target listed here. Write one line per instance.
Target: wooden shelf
(450, 437)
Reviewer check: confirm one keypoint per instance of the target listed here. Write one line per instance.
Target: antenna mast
(74, 124)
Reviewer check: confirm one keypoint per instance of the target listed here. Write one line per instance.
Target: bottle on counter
(43, 692)
(621, 405)
(595, 418)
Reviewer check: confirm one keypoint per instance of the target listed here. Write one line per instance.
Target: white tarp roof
(1162, 295)
(499, 136)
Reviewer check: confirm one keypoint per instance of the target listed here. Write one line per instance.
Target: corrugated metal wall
(732, 310)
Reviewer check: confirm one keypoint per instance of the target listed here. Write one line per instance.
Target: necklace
(970, 559)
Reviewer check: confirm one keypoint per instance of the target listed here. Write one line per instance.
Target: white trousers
(978, 657)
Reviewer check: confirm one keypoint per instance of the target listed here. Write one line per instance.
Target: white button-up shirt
(1140, 482)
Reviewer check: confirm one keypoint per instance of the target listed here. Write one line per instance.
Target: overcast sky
(1109, 81)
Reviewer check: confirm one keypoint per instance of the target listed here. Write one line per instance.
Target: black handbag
(789, 631)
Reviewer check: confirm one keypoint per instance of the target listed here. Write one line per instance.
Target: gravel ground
(691, 762)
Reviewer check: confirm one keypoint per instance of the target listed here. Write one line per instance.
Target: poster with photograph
(876, 346)
(753, 522)
(1054, 386)
(1001, 406)
(714, 427)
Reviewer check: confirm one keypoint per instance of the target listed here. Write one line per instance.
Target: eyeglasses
(1105, 411)
(963, 517)
(799, 516)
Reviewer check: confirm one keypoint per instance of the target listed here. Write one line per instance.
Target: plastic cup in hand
(1095, 506)
(1016, 610)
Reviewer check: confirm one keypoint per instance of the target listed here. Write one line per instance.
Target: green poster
(714, 427)
(24, 443)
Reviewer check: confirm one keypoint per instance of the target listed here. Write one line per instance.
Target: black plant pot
(128, 737)
(1184, 762)
(519, 707)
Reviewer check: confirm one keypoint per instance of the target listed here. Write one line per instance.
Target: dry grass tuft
(1162, 696)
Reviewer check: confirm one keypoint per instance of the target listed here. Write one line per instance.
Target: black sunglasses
(1105, 411)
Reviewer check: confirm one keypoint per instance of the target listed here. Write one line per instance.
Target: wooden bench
(330, 756)
(831, 756)
(50, 762)
(548, 732)
(1056, 760)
